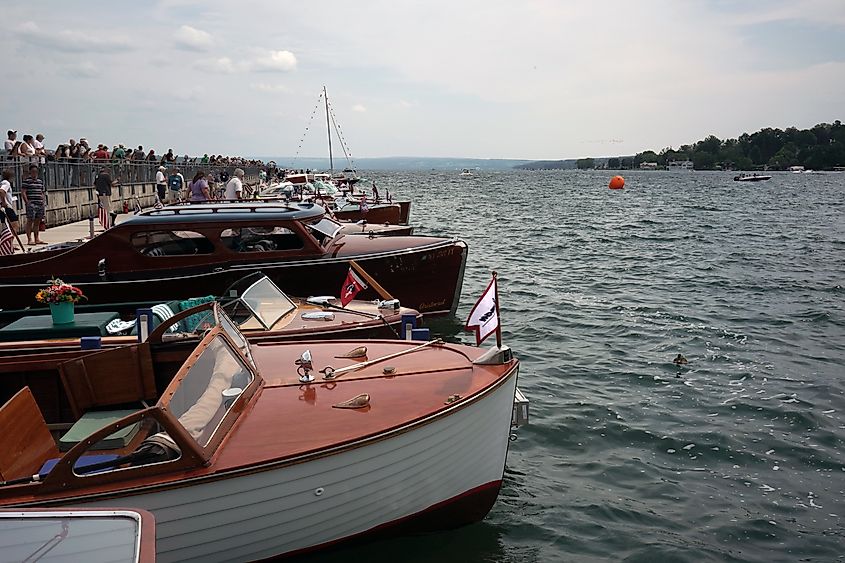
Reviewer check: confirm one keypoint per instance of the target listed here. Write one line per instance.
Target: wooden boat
(751, 178)
(344, 204)
(258, 451)
(74, 534)
(179, 252)
(262, 312)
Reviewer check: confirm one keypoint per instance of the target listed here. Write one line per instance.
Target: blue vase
(62, 312)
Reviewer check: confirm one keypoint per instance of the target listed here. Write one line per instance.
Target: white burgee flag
(484, 317)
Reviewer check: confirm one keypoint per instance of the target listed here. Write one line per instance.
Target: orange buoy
(617, 183)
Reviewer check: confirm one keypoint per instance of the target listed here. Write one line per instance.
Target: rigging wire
(307, 128)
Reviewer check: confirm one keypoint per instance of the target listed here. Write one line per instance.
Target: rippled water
(735, 457)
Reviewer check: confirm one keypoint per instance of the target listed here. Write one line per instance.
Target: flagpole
(369, 279)
(498, 316)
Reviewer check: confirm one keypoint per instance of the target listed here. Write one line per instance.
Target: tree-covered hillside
(819, 148)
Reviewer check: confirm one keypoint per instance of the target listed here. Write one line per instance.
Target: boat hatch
(72, 535)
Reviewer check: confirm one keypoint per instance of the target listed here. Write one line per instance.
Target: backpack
(175, 182)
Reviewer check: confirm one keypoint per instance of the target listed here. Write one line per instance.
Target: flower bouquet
(61, 297)
(59, 292)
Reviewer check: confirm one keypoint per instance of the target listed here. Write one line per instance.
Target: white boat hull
(323, 501)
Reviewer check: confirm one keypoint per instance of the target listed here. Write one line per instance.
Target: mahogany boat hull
(437, 471)
(378, 213)
(427, 278)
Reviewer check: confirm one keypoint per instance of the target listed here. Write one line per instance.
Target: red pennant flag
(351, 286)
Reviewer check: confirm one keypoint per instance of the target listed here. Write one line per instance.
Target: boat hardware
(330, 373)
(101, 269)
(304, 367)
(357, 402)
(359, 352)
(326, 304)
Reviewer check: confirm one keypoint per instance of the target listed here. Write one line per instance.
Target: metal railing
(65, 178)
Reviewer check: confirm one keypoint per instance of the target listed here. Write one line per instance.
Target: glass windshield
(324, 229)
(232, 330)
(209, 389)
(267, 302)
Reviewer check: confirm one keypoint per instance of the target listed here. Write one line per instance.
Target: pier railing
(70, 183)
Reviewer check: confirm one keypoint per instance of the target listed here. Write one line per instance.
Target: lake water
(737, 456)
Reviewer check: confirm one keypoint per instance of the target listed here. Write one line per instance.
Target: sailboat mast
(328, 130)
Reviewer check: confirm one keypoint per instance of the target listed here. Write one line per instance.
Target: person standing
(10, 141)
(176, 183)
(40, 151)
(104, 184)
(27, 150)
(198, 190)
(6, 201)
(161, 184)
(235, 186)
(35, 201)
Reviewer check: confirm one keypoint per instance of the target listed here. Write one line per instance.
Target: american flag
(103, 215)
(6, 239)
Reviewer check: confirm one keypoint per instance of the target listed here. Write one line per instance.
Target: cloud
(193, 39)
(270, 88)
(359, 108)
(72, 41)
(276, 61)
(85, 69)
(223, 65)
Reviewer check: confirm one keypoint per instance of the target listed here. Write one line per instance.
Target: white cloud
(270, 88)
(72, 41)
(359, 108)
(279, 61)
(193, 39)
(223, 65)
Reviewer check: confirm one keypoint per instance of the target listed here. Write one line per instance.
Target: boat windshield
(325, 188)
(209, 389)
(232, 330)
(261, 305)
(324, 230)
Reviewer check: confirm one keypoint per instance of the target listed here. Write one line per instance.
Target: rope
(307, 128)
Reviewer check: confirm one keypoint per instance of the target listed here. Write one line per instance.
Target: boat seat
(81, 463)
(92, 421)
(118, 376)
(25, 440)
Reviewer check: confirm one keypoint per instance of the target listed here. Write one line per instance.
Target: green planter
(62, 312)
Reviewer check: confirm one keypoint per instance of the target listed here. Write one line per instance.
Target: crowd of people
(28, 169)
(32, 149)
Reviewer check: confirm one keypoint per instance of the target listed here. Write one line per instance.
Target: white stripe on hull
(277, 511)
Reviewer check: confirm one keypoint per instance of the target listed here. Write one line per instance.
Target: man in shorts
(35, 201)
(161, 184)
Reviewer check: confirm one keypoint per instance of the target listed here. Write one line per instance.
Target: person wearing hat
(161, 184)
(10, 141)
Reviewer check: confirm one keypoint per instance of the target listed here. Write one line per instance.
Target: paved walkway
(70, 232)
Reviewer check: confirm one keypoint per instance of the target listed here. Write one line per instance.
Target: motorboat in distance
(751, 178)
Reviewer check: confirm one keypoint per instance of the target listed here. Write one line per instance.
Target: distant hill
(399, 163)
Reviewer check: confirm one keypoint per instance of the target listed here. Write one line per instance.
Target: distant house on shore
(680, 165)
(648, 166)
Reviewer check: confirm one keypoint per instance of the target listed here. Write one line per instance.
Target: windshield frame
(267, 323)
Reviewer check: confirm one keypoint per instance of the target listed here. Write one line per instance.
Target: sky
(536, 79)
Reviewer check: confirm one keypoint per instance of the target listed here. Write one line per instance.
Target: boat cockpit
(181, 431)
